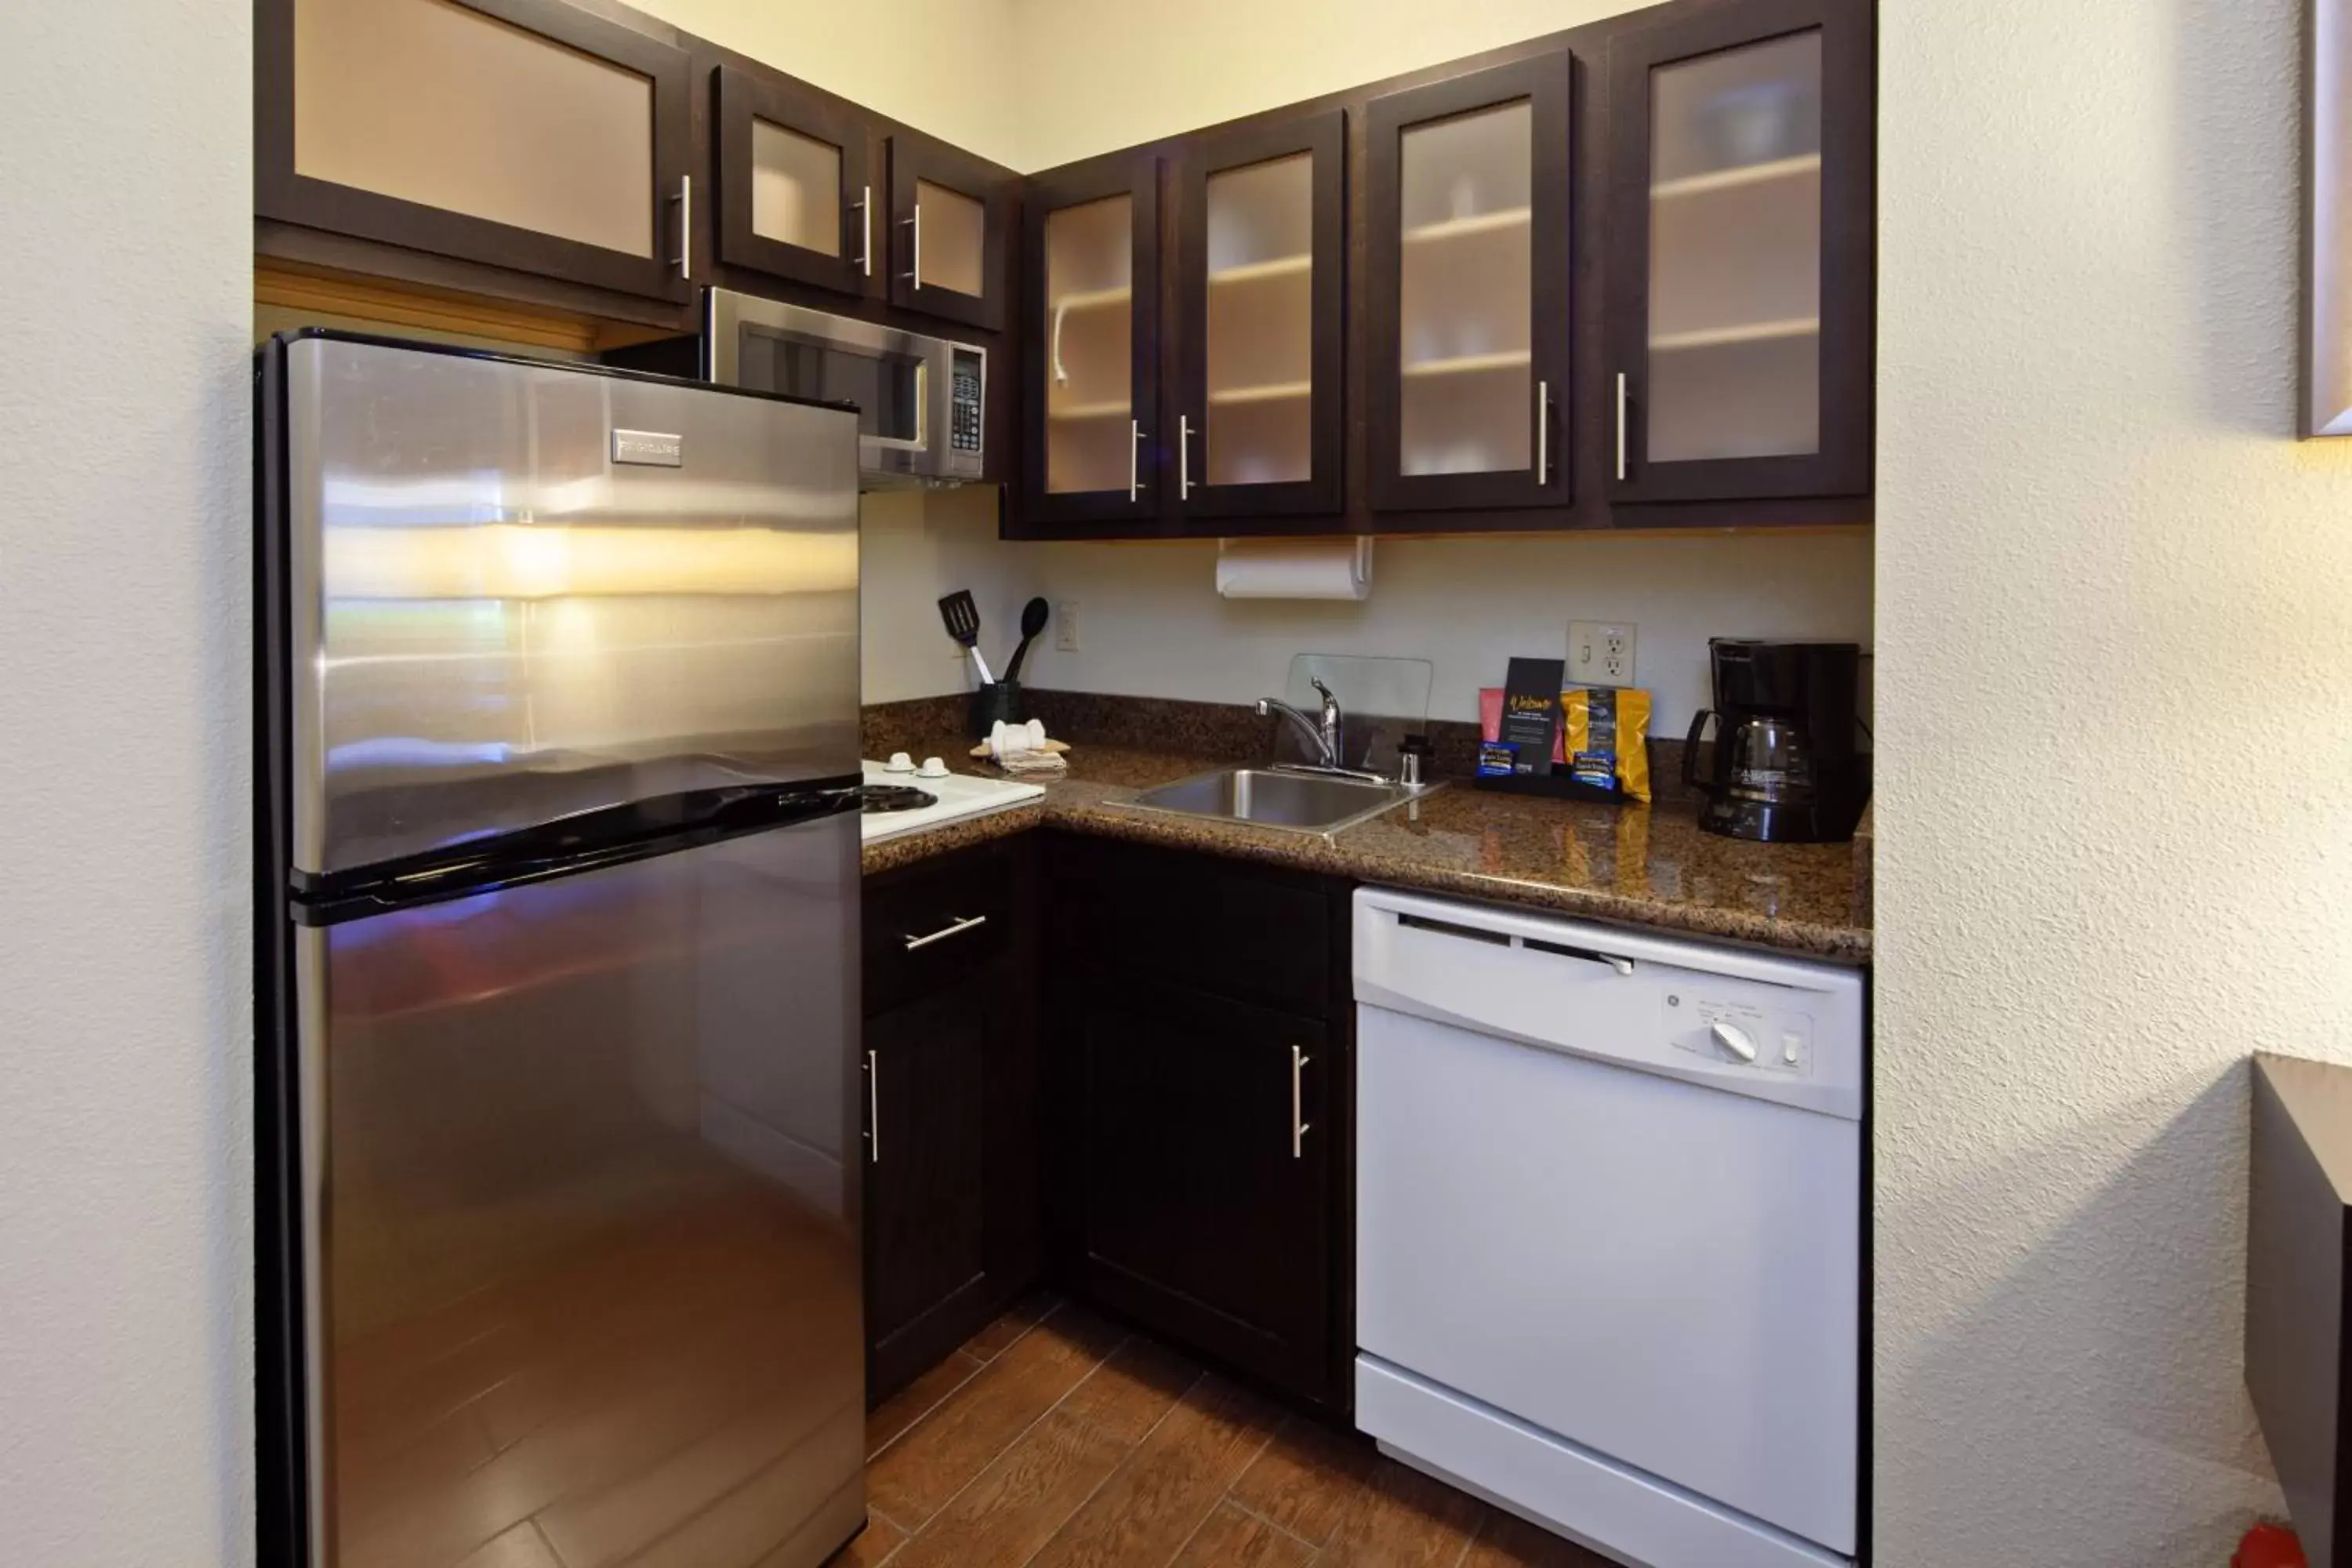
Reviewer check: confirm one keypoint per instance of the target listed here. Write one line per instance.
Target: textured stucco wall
(2115, 621)
(125, 1248)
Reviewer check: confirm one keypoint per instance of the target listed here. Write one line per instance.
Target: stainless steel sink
(1278, 797)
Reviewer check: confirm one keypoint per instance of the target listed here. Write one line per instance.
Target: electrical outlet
(1065, 625)
(1601, 653)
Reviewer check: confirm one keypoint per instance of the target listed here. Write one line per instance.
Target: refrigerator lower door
(580, 1216)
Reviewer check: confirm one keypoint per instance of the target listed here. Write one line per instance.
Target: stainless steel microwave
(921, 400)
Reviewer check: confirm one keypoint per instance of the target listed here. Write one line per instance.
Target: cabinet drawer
(932, 926)
(1221, 926)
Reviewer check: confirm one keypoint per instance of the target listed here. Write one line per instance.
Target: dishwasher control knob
(1733, 1038)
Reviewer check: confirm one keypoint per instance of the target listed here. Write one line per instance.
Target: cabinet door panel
(1739, 267)
(926, 1172)
(1260, 290)
(1206, 1178)
(1092, 400)
(1469, 289)
(795, 184)
(523, 134)
(951, 216)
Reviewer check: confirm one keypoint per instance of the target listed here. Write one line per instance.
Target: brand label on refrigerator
(650, 448)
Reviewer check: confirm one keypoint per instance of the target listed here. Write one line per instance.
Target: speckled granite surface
(1648, 866)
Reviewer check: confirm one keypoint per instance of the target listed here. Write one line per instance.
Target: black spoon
(1032, 621)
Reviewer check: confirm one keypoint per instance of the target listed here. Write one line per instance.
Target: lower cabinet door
(1206, 1208)
(927, 1182)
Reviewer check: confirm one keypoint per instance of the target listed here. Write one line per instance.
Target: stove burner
(877, 798)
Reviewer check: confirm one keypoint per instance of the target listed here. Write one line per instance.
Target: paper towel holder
(1237, 554)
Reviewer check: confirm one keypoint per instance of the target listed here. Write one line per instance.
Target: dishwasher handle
(1590, 955)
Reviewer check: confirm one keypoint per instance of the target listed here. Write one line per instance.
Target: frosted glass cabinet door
(1261, 260)
(950, 213)
(1093, 247)
(1469, 290)
(523, 134)
(1741, 272)
(795, 185)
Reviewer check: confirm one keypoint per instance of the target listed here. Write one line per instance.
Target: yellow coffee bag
(1608, 737)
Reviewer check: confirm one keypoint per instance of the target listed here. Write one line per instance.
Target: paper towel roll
(1295, 568)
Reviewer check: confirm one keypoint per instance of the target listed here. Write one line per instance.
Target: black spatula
(963, 619)
(1032, 621)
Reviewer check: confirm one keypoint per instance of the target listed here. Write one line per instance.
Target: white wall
(919, 546)
(125, 1358)
(1180, 67)
(941, 66)
(1151, 625)
(2115, 609)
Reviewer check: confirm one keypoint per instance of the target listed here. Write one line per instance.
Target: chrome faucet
(1325, 736)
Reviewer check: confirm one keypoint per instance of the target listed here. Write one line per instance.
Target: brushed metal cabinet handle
(866, 230)
(915, 258)
(1184, 457)
(686, 225)
(1134, 471)
(1299, 1127)
(1621, 426)
(954, 928)
(873, 1109)
(1543, 433)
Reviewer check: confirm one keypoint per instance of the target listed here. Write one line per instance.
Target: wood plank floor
(1056, 1439)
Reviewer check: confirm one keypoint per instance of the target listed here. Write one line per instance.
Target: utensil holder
(996, 701)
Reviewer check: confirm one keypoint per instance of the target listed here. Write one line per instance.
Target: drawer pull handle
(954, 928)
(1299, 1127)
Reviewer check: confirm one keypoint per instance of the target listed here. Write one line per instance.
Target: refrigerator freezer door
(581, 1225)
(517, 591)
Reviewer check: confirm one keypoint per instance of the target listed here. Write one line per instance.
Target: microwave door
(921, 401)
(890, 390)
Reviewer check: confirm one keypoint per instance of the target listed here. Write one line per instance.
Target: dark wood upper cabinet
(525, 134)
(1468, 278)
(1740, 272)
(1259, 333)
(951, 215)
(795, 185)
(1091, 399)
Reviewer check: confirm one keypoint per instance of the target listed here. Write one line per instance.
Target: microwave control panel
(964, 398)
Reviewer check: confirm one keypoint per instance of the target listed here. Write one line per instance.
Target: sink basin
(1274, 798)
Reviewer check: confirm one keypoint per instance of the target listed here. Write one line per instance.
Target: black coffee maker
(1781, 764)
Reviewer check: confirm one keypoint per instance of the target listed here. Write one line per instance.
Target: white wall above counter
(1152, 625)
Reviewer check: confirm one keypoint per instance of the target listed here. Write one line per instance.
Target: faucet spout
(1325, 745)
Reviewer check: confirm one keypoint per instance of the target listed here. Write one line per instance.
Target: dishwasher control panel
(1761, 1025)
(1737, 1032)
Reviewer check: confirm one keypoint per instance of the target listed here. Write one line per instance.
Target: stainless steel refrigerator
(557, 682)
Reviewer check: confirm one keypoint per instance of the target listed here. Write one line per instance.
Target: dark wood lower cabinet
(927, 1069)
(1131, 1065)
(954, 1207)
(1201, 1074)
(1201, 1134)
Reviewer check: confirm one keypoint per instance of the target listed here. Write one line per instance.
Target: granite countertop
(1642, 865)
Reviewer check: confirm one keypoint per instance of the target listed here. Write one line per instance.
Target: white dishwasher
(1609, 1221)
